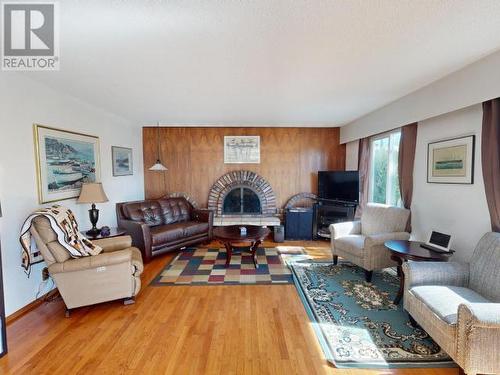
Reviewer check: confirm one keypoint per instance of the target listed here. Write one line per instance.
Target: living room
(250, 187)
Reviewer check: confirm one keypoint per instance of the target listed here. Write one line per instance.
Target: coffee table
(231, 237)
(402, 251)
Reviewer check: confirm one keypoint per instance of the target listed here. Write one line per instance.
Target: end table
(113, 232)
(402, 251)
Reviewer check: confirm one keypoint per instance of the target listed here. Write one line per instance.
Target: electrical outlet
(45, 273)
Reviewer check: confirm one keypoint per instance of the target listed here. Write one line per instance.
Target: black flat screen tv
(340, 186)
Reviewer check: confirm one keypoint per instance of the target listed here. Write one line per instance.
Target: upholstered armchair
(362, 242)
(111, 275)
(459, 305)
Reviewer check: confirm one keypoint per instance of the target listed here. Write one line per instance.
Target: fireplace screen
(241, 200)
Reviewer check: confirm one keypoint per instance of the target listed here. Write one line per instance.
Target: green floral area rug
(356, 322)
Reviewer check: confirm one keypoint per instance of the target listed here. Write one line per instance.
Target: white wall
(351, 156)
(475, 83)
(22, 103)
(459, 210)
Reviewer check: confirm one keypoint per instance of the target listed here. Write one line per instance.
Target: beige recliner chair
(113, 274)
(362, 242)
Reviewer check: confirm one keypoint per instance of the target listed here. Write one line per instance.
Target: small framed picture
(122, 161)
(451, 161)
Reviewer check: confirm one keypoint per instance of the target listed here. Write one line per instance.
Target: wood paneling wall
(290, 159)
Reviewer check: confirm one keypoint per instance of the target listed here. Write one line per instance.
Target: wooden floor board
(251, 329)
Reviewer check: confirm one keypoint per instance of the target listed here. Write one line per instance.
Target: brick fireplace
(243, 197)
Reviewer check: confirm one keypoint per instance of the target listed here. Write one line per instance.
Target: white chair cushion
(380, 218)
(444, 300)
(352, 244)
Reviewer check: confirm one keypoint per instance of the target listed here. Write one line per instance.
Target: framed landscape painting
(64, 160)
(122, 161)
(451, 161)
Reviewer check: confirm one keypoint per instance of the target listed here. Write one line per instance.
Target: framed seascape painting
(451, 161)
(242, 149)
(122, 161)
(64, 160)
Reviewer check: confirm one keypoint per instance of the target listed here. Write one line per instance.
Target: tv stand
(336, 202)
(328, 212)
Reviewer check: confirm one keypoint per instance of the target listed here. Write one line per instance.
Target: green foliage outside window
(380, 163)
(384, 173)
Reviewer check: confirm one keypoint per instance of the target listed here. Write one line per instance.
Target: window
(384, 183)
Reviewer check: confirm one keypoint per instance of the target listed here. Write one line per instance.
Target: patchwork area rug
(203, 266)
(356, 322)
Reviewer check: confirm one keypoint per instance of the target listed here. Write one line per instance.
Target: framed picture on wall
(451, 161)
(122, 161)
(242, 149)
(64, 160)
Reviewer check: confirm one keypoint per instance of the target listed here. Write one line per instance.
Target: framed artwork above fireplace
(242, 149)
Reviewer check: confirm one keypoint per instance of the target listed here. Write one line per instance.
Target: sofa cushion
(147, 212)
(174, 232)
(352, 244)
(192, 228)
(444, 300)
(174, 210)
(161, 234)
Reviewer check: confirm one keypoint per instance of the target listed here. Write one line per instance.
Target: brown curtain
(406, 160)
(364, 173)
(490, 158)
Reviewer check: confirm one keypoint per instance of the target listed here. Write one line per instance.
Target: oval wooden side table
(403, 251)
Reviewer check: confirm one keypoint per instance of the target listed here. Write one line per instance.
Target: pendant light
(158, 166)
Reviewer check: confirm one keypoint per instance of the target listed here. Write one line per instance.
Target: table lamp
(93, 193)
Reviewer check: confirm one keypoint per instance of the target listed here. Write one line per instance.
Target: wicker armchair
(459, 305)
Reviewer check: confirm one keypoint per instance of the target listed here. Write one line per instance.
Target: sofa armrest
(92, 262)
(478, 337)
(381, 238)
(203, 215)
(138, 231)
(114, 243)
(343, 229)
(480, 314)
(435, 273)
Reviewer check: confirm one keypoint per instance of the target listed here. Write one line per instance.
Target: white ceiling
(263, 62)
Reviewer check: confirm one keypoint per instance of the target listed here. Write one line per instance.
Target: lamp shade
(92, 193)
(158, 167)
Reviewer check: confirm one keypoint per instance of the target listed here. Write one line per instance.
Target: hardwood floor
(179, 330)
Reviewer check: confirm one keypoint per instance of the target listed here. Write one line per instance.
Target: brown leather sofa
(165, 224)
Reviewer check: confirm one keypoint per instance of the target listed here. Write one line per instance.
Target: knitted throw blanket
(65, 226)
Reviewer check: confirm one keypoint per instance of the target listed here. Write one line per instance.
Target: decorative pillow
(152, 216)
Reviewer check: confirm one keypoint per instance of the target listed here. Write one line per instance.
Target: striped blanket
(65, 226)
